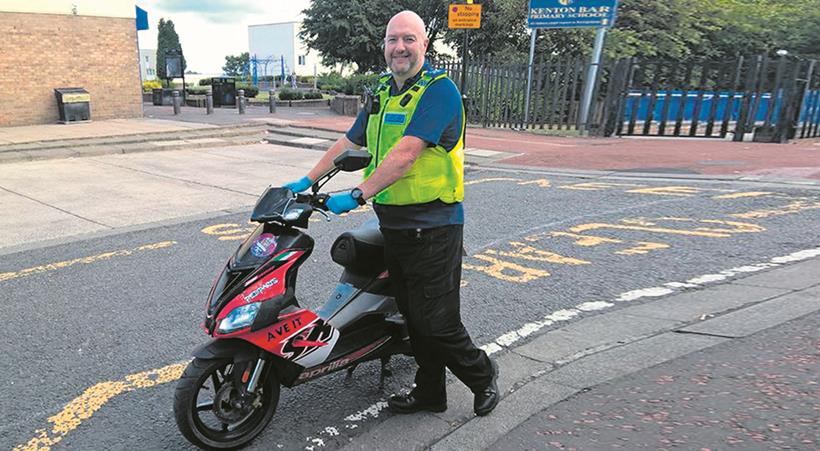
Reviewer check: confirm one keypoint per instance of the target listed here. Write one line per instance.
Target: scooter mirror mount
(352, 160)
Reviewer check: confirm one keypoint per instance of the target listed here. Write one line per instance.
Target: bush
(290, 94)
(354, 85)
(251, 91)
(150, 85)
(332, 81)
(310, 95)
(205, 82)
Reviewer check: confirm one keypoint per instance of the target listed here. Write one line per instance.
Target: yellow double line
(92, 399)
(4, 276)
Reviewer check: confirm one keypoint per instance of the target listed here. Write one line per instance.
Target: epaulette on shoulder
(384, 76)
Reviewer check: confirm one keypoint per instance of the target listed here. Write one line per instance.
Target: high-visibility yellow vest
(437, 173)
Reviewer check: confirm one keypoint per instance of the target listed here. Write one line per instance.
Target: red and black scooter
(264, 339)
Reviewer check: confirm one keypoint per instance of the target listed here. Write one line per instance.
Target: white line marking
(509, 338)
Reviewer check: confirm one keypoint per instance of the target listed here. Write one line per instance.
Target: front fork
(255, 375)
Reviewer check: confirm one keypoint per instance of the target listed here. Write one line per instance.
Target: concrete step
(303, 141)
(216, 132)
(107, 148)
(306, 132)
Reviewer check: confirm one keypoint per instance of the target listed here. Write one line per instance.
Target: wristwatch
(357, 194)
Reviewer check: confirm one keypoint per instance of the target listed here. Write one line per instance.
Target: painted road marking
(504, 270)
(509, 271)
(744, 194)
(92, 399)
(790, 208)
(98, 395)
(595, 186)
(640, 247)
(491, 179)
(354, 420)
(83, 260)
(530, 253)
(735, 227)
(482, 152)
(668, 191)
(543, 183)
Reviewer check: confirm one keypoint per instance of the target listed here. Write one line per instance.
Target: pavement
(316, 128)
(686, 157)
(732, 365)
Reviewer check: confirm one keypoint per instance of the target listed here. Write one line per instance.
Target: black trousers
(425, 272)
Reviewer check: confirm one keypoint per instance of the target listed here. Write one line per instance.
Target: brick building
(48, 44)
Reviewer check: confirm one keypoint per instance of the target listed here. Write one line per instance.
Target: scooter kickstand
(385, 371)
(350, 370)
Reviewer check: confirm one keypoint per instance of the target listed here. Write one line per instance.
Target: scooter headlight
(238, 318)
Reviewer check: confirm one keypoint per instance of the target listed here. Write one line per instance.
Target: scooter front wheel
(210, 411)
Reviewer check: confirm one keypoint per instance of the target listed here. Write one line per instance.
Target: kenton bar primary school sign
(571, 13)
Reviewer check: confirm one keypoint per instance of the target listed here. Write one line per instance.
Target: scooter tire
(186, 413)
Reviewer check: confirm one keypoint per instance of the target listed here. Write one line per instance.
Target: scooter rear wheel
(205, 409)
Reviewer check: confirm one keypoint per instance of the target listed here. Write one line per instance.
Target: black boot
(409, 403)
(486, 400)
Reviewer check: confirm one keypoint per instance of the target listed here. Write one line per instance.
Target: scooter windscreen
(272, 204)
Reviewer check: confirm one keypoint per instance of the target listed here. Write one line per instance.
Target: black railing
(759, 97)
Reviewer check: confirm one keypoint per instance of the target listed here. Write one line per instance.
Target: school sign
(572, 13)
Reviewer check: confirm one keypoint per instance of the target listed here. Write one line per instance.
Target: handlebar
(317, 200)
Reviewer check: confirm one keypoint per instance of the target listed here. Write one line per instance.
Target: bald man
(413, 126)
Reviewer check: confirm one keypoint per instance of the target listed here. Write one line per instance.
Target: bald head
(405, 43)
(407, 20)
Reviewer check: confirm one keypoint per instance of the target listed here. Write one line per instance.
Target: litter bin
(224, 91)
(74, 104)
(163, 96)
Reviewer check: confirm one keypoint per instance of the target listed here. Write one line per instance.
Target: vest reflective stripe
(436, 174)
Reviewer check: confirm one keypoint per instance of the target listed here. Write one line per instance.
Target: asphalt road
(83, 318)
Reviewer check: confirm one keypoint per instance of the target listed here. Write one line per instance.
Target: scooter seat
(361, 250)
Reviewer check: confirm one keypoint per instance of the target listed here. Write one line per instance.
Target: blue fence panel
(634, 97)
(810, 107)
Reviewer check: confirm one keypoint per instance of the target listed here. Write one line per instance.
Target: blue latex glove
(299, 185)
(341, 203)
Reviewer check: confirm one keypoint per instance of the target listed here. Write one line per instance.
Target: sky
(211, 29)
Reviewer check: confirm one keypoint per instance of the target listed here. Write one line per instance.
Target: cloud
(218, 11)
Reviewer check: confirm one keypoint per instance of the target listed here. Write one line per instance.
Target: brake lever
(327, 217)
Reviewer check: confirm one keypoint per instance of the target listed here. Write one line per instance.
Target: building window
(146, 58)
(301, 60)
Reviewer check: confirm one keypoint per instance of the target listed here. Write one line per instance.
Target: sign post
(598, 14)
(464, 16)
(592, 75)
(529, 76)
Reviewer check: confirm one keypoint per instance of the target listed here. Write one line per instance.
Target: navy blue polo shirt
(436, 120)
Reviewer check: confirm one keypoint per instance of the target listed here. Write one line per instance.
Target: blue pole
(255, 77)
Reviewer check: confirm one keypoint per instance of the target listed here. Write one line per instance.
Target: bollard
(240, 101)
(209, 103)
(272, 100)
(176, 98)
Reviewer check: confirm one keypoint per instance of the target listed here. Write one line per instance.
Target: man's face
(404, 48)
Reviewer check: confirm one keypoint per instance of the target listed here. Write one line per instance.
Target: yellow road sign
(462, 15)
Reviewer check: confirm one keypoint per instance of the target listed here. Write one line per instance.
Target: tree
(352, 31)
(236, 64)
(167, 39)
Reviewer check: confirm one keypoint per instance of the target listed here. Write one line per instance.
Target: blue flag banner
(571, 13)
(142, 19)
